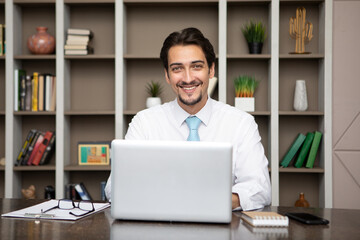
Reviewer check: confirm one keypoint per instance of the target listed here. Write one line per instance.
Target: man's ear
(212, 71)
(166, 76)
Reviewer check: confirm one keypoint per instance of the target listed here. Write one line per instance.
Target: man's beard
(190, 102)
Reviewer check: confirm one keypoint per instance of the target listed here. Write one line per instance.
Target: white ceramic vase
(246, 104)
(152, 101)
(300, 96)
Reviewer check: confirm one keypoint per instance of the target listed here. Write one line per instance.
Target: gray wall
(346, 104)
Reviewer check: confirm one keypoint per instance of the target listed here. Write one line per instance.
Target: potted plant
(254, 33)
(244, 92)
(154, 89)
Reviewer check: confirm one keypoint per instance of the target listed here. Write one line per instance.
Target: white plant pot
(153, 101)
(246, 104)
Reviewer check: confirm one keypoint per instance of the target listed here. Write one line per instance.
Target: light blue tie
(193, 123)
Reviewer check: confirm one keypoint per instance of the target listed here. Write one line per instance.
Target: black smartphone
(307, 218)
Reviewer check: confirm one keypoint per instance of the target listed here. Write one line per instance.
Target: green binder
(313, 150)
(293, 150)
(304, 150)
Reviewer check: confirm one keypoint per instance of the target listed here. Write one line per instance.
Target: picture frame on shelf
(94, 153)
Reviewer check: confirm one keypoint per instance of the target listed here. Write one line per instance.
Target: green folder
(293, 150)
(313, 150)
(304, 150)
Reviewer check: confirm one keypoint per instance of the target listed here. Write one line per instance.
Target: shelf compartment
(95, 17)
(41, 65)
(91, 180)
(291, 126)
(40, 180)
(313, 14)
(139, 73)
(33, 15)
(291, 185)
(92, 85)
(305, 69)
(239, 13)
(252, 67)
(89, 129)
(157, 20)
(87, 168)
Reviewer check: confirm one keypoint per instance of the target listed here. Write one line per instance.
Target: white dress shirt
(219, 123)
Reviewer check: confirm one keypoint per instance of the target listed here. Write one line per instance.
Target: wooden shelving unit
(98, 94)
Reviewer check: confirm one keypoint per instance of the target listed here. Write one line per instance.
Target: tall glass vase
(300, 96)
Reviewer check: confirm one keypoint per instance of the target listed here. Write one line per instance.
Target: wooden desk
(344, 224)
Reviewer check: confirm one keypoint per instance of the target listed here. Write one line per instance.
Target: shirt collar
(181, 115)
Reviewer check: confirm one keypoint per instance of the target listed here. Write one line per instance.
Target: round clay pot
(41, 42)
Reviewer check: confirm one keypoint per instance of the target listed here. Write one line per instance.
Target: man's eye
(198, 66)
(174, 69)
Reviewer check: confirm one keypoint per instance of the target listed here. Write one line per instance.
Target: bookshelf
(98, 94)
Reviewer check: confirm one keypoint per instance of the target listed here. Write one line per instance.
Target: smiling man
(189, 62)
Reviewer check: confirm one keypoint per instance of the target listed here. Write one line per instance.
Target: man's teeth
(189, 88)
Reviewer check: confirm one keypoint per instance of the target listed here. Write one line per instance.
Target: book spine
(49, 151)
(22, 92)
(30, 148)
(293, 150)
(48, 87)
(41, 93)
(35, 84)
(36, 148)
(83, 193)
(304, 150)
(53, 94)
(25, 147)
(28, 94)
(42, 148)
(102, 190)
(313, 150)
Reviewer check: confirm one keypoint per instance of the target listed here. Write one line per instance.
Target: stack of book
(306, 148)
(37, 149)
(36, 92)
(77, 42)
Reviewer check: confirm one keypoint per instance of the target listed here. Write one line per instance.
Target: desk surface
(344, 224)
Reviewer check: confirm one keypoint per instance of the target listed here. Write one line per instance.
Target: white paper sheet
(55, 214)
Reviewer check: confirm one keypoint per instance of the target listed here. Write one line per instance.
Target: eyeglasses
(66, 204)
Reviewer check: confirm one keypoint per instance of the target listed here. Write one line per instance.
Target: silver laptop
(171, 181)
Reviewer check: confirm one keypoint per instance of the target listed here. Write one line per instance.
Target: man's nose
(188, 76)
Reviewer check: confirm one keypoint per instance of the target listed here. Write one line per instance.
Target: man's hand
(235, 201)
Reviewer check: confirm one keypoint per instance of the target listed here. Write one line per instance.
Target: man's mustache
(192, 83)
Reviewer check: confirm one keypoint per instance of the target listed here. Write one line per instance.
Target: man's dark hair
(187, 36)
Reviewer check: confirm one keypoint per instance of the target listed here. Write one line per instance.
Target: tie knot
(193, 123)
